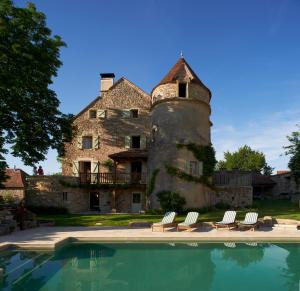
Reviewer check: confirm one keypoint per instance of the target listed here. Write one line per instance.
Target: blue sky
(246, 52)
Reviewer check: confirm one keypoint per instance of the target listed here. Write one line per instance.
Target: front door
(136, 205)
(94, 200)
(136, 171)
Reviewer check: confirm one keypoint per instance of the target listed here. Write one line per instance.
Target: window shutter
(79, 142)
(187, 167)
(126, 113)
(75, 168)
(95, 167)
(95, 171)
(96, 142)
(127, 142)
(101, 113)
(143, 142)
(200, 167)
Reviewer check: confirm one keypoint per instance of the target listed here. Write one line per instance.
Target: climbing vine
(152, 182)
(204, 154)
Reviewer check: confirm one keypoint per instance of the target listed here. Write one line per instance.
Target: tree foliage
(30, 119)
(245, 159)
(293, 150)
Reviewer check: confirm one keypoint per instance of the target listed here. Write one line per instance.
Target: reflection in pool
(163, 266)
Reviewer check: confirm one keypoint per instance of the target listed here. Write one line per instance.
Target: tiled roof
(181, 71)
(16, 178)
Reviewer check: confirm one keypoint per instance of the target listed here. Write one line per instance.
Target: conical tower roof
(181, 71)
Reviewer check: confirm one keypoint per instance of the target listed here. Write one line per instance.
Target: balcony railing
(112, 178)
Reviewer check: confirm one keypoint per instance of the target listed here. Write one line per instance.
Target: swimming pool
(154, 266)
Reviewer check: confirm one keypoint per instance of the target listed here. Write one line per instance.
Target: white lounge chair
(227, 221)
(250, 220)
(167, 221)
(190, 221)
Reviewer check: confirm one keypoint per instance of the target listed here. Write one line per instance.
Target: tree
(245, 159)
(293, 150)
(30, 121)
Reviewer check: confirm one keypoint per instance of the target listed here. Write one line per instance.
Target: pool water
(155, 267)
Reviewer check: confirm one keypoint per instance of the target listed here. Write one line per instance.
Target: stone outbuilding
(15, 184)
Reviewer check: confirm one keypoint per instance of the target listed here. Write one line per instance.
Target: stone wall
(48, 191)
(16, 193)
(111, 130)
(285, 187)
(235, 196)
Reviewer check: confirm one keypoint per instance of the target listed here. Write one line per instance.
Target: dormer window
(182, 90)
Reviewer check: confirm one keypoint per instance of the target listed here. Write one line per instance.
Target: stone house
(15, 184)
(125, 137)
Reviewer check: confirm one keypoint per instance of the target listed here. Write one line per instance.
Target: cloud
(266, 134)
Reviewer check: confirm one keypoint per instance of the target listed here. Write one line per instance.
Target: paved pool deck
(49, 238)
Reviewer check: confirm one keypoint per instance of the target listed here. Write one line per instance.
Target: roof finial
(181, 54)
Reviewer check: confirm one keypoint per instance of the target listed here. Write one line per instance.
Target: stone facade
(48, 191)
(285, 187)
(109, 131)
(17, 194)
(179, 120)
(235, 196)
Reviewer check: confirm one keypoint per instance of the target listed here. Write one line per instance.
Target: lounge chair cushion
(250, 218)
(168, 219)
(191, 218)
(229, 218)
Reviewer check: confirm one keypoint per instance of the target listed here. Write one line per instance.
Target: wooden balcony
(112, 178)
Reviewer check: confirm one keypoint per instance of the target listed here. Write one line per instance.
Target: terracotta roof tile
(16, 178)
(181, 71)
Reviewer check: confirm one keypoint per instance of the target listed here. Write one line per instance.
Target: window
(182, 90)
(87, 142)
(93, 114)
(136, 198)
(194, 168)
(134, 113)
(135, 142)
(65, 196)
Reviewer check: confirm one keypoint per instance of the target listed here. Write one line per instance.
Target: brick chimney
(106, 81)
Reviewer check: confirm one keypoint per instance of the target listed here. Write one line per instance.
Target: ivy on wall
(152, 182)
(204, 154)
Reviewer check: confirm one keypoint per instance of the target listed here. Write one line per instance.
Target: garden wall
(48, 191)
(235, 196)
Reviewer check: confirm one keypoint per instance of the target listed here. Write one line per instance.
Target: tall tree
(245, 159)
(293, 150)
(30, 119)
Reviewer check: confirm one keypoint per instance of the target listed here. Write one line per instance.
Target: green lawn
(276, 209)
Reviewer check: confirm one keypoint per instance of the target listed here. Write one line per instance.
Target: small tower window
(182, 90)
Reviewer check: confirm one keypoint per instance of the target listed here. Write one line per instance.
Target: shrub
(171, 201)
(222, 206)
(47, 209)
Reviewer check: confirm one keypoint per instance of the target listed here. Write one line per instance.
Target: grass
(276, 209)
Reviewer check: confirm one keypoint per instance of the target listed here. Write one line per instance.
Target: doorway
(85, 171)
(136, 171)
(136, 205)
(94, 201)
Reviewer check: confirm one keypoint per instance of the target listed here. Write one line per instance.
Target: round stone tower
(180, 115)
